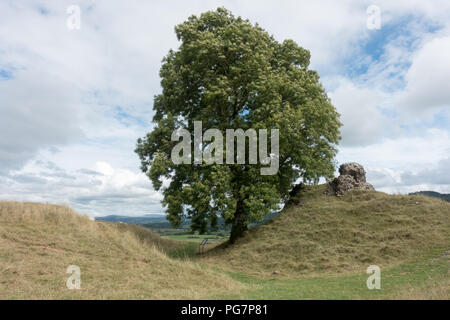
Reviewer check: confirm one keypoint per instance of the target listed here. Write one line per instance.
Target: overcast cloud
(73, 102)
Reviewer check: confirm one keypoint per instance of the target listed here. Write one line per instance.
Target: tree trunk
(239, 223)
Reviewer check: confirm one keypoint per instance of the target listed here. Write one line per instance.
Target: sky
(74, 101)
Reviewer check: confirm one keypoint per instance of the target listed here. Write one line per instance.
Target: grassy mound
(316, 234)
(117, 261)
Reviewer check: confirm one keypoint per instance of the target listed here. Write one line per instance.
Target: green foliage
(231, 74)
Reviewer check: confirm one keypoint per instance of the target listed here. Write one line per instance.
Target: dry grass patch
(330, 235)
(39, 241)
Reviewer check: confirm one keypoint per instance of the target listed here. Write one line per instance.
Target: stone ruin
(352, 176)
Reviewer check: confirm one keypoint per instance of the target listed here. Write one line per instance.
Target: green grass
(319, 247)
(186, 251)
(197, 238)
(189, 244)
(317, 235)
(423, 279)
(117, 261)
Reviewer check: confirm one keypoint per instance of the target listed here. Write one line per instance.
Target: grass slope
(118, 261)
(426, 278)
(319, 235)
(319, 246)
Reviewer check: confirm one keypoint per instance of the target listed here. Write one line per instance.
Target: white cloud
(428, 79)
(434, 174)
(97, 191)
(37, 111)
(80, 99)
(407, 151)
(363, 121)
(403, 164)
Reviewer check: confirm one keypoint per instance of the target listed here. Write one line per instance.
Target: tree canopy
(231, 74)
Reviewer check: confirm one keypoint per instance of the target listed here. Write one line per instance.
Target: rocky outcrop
(353, 169)
(352, 176)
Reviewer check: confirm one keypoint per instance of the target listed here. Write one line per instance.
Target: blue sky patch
(5, 74)
(399, 32)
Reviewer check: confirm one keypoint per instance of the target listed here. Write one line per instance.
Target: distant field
(196, 238)
(190, 244)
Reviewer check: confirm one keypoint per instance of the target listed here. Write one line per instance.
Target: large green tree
(230, 74)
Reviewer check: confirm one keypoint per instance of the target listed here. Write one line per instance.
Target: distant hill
(150, 221)
(149, 218)
(443, 196)
(159, 221)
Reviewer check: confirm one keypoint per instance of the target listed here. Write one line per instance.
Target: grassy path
(425, 279)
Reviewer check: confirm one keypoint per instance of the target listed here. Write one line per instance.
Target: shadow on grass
(188, 250)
